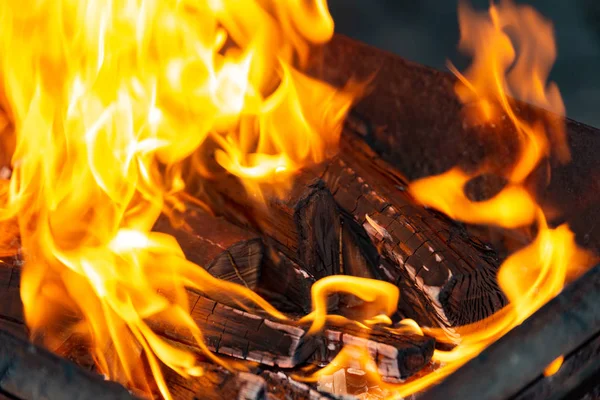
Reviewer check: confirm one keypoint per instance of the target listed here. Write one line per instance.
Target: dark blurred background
(426, 31)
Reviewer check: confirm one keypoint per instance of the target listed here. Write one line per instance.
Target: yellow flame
(498, 74)
(107, 99)
(382, 295)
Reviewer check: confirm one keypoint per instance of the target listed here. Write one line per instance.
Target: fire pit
(267, 211)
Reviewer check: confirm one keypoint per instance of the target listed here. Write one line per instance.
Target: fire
(108, 99)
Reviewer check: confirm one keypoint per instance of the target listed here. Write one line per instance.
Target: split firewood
(238, 255)
(445, 280)
(457, 279)
(30, 372)
(231, 332)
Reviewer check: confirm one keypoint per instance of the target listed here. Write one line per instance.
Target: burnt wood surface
(239, 255)
(231, 332)
(436, 264)
(518, 359)
(419, 126)
(217, 383)
(396, 356)
(305, 223)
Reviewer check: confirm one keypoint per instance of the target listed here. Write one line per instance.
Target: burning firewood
(359, 204)
(234, 333)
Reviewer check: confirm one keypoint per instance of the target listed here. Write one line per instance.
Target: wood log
(305, 223)
(443, 278)
(30, 372)
(239, 255)
(231, 332)
(442, 272)
(235, 333)
(518, 358)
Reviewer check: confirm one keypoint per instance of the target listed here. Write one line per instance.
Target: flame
(107, 100)
(498, 74)
(554, 366)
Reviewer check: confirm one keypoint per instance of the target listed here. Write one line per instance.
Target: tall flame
(107, 98)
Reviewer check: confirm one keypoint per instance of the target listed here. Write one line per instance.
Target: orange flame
(554, 366)
(498, 74)
(107, 99)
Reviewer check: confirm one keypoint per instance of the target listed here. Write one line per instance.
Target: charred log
(397, 356)
(231, 332)
(305, 223)
(238, 334)
(238, 255)
(447, 281)
(453, 280)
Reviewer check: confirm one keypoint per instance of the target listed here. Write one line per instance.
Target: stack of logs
(348, 216)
